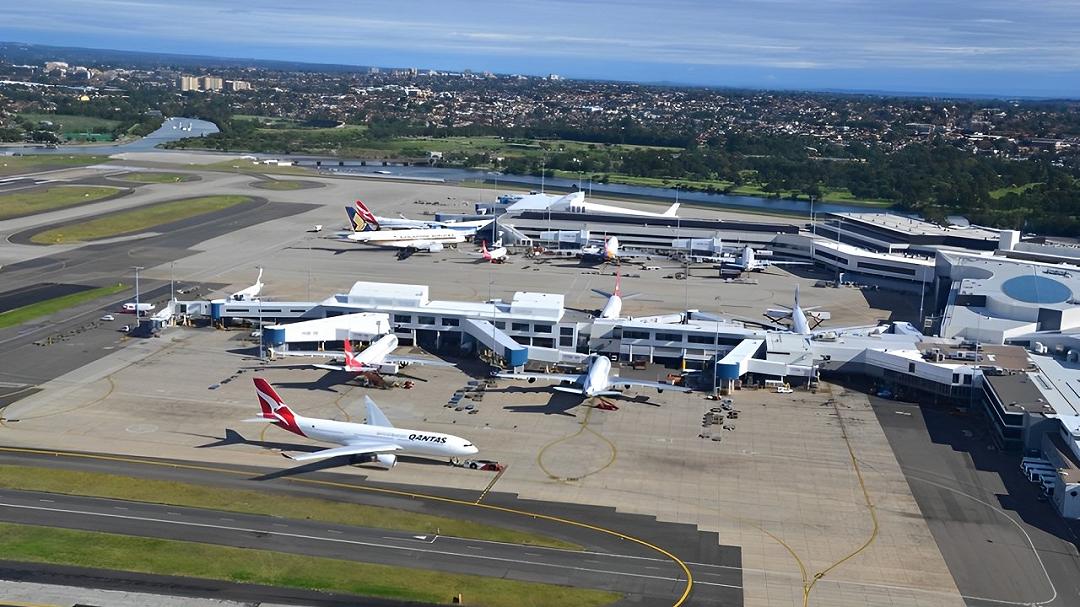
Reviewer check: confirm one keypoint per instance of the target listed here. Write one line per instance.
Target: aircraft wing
(329, 367)
(544, 376)
(601, 293)
(417, 360)
(626, 381)
(357, 448)
(307, 353)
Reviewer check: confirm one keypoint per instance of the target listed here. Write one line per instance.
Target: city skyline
(910, 47)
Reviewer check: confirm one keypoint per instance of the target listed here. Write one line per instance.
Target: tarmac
(812, 507)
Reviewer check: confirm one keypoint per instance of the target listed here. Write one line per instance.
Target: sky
(995, 47)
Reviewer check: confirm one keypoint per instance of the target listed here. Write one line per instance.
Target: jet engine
(434, 247)
(385, 460)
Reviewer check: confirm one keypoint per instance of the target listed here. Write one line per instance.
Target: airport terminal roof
(919, 227)
(1059, 383)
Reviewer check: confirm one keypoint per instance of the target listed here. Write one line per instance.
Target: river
(171, 130)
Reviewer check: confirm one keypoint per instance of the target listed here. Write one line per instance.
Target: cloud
(994, 35)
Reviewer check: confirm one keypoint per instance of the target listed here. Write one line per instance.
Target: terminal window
(425, 320)
(628, 334)
(669, 337)
(566, 331)
(450, 322)
(519, 326)
(542, 328)
(701, 339)
(402, 318)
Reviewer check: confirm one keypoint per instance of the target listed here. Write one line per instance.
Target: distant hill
(38, 54)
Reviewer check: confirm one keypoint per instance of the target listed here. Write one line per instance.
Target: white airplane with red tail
(375, 358)
(376, 442)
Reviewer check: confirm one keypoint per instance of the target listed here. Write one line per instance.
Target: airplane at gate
(595, 381)
(376, 442)
(375, 358)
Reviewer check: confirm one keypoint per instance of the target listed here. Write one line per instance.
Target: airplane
(376, 442)
(613, 307)
(801, 321)
(608, 252)
(495, 255)
(377, 357)
(749, 262)
(131, 307)
(250, 293)
(595, 381)
(575, 203)
(361, 218)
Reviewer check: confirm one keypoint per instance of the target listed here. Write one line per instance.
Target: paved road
(608, 562)
(1002, 546)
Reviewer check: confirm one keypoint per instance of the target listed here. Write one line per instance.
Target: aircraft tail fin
(362, 219)
(375, 416)
(350, 358)
(672, 210)
(269, 400)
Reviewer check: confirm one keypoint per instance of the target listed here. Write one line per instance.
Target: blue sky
(1004, 47)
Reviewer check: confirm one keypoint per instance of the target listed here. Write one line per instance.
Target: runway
(608, 562)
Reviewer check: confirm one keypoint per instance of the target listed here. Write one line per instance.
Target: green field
(115, 486)
(1016, 189)
(68, 123)
(17, 165)
(190, 559)
(18, 316)
(153, 177)
(136, 220)
(29, 202)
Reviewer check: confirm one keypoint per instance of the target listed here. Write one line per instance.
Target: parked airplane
(804, 321)
(609, 252)
(377, 357)
(362, 219)
(377, 441)
(251, 293)
(613, 307)
(749, 262)
(595, 381)
(130, 307)
(494, 255)
(575, 203)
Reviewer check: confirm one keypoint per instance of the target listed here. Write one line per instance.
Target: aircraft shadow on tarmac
(561, 403)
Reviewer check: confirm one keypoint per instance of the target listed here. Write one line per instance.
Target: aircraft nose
(472, 450)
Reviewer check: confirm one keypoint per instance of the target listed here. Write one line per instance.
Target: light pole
(137, 313)
(716, 344)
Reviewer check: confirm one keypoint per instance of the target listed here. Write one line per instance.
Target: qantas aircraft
(613, 306)
(749, 262)
(376, 442)
(377, 357)
(595, 381)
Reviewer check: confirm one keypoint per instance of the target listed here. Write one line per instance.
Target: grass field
(190, 559)
(136, 220)
(29, 202)
(18, 316)
(277, 184)
(70, 123)
(1016, 189)
(153, 177)
(17, 165)
(72, 482)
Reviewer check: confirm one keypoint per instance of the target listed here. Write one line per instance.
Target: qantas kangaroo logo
(363, 219)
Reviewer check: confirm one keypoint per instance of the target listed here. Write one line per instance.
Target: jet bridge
(515, 354)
